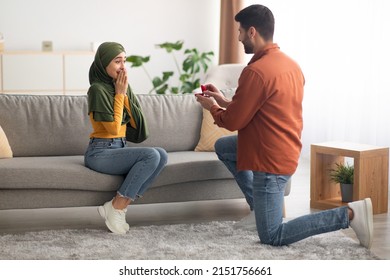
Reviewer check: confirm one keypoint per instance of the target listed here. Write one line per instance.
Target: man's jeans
(226, 150)
(264, 193)
(140, 166)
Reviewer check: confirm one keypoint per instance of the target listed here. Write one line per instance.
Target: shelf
(327, 203)
(36, 71)
(371, 178)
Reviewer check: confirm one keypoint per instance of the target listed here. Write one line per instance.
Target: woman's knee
(151, 154)
(163, 155)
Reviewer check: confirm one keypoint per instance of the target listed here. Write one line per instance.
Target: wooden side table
(371, 174)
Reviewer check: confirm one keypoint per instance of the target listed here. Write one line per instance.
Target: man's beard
(248, 47)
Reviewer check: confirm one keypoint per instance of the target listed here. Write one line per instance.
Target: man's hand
(212, 91)
(206, 101)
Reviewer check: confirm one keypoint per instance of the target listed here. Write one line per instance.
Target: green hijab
(102, 91)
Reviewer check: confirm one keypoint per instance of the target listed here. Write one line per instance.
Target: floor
(297, 204)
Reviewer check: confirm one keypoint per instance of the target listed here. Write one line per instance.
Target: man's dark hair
(258, 16)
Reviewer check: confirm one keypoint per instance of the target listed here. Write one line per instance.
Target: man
(267, 112)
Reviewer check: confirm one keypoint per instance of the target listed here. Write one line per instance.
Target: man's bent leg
(226, 150)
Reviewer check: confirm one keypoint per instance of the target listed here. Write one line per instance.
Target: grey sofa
(49, 134)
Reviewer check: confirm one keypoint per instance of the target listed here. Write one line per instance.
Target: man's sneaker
(115, 219)
(362, 222)
(247, 223)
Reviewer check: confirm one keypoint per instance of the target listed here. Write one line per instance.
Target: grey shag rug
(205, 241)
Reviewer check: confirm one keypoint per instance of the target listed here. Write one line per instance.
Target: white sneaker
(126, 226)
(247, 223)
(115, 219)
(362, 222)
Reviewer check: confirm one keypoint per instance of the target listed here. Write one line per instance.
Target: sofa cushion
(192, 166)
(49, 125)
(65, 172)
(174, 121)
(69, 172)
(210, 133)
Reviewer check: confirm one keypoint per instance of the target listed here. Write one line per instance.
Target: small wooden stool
(371, 174)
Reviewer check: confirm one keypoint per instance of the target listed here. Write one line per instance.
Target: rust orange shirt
(267, 112)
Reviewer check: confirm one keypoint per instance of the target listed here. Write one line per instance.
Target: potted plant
(343, 174)
(188, 72)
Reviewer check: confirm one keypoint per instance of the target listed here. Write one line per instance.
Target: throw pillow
(5, 149)
(210, 133)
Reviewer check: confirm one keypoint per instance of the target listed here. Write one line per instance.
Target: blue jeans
(267, 193)
(226, 150)
(139, 165)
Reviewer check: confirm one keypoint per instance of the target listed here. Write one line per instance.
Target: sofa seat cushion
(190, 166)
(65, 172)
(69, 172)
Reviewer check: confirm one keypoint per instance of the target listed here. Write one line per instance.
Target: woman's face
(116, 66)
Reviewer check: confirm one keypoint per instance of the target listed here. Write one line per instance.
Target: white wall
(137, 24)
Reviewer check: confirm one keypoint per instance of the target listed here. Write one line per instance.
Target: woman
(114, 112)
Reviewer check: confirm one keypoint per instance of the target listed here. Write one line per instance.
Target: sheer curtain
(343, 48)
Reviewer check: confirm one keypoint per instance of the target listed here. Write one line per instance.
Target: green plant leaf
(188, 72)
(167, 75)
(160, 85)
(186, 87)
(162, 89)
(169, 47)
(184, 77)
(189, 87)
(205, 59)
(175, 90)
(195, 61)
(157, 81)
(137, 61)
(342, 174)
(190, 63)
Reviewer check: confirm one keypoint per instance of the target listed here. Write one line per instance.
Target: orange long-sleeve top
(113, 129)
(267, 112)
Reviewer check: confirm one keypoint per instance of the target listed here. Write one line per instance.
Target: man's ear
(252, 32)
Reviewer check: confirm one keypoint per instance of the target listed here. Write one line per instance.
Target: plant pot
(346, 192)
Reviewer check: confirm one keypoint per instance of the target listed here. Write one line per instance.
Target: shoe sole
(369, 219)
(102, 213)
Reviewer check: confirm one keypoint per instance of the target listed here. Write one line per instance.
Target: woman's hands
(121, 82)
